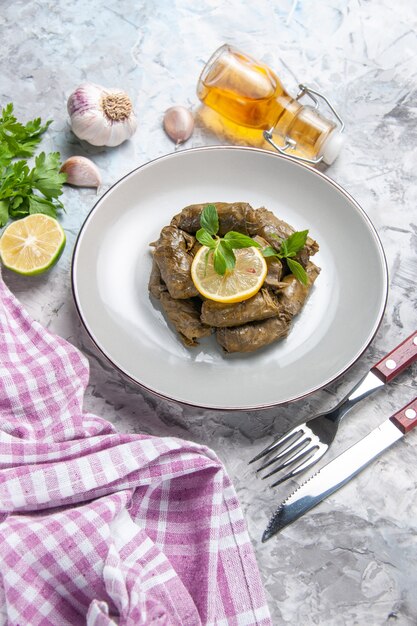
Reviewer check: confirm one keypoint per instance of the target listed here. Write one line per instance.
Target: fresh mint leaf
(209, 219)
(225, 249)
(206, 260)
(294, 243)
(223, 255)
(205, 238)
(283, 250)
(298, 270)
(269, 251)
(238, 240)
(289, 248)
(219, 261)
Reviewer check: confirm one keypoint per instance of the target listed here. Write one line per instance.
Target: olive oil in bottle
(250, 94)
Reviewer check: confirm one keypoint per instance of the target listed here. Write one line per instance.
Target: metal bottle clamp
(290, 144)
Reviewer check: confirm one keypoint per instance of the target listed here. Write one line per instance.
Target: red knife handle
(397, 360)
(406, 418)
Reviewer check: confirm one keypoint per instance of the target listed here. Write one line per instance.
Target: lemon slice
(236, 285)
(32, 245)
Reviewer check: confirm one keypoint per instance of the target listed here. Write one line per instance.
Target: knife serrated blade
(341, 469)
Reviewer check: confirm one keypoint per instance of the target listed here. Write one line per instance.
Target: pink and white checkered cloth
(103, 528)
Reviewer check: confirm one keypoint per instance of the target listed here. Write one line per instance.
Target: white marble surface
(353, 560)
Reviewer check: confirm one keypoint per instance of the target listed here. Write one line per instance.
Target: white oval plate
(112, 262)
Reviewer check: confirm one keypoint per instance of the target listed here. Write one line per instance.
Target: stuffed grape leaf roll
(236, 216)
(275, 267)
(261, 306)
(255, 335)
(184, 315)
(172, 255)
(274, 231)
(242, 326)
(156, 285)
(294, 294)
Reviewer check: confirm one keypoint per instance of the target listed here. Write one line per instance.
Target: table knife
(319, 431)
(341, 469)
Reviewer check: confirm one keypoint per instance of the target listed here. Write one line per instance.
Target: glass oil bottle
(250, 94)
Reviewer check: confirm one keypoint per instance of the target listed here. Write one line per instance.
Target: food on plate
(275, 269)
(184, 314)
(244, 281)
(232, 216)
(274, 230)
(255, 335)
(262, 305)
(293, 294)
(240, 273)
(172, 255)
(242, 217)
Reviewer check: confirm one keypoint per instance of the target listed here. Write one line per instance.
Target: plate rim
(271, 154)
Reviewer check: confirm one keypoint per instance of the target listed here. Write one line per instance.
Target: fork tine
(298, 457)
(278, 443)
(299, 444)
(303, 467)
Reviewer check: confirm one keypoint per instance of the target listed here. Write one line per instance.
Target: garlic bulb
(81, 172)
(178, 123)
(103, 117)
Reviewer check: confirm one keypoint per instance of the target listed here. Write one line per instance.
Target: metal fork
(304, 445)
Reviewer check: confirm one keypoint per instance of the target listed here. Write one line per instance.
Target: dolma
(294, 294)
(270, 227)
(243, 218)
(238, 216)
(240, 327)
(156, 285)
(261, 306)
(274, 275)
(184, 315)
(174, 261)
(255, 335)
(275, 267)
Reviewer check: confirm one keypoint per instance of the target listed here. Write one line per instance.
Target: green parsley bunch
(23, 189)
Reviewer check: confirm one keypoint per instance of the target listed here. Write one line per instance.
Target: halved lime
(32, 245)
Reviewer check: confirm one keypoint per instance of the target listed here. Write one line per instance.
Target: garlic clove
(81, 172)
(178, 123)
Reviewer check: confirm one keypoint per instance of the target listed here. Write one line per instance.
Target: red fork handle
(397, 360)
(406, 418)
